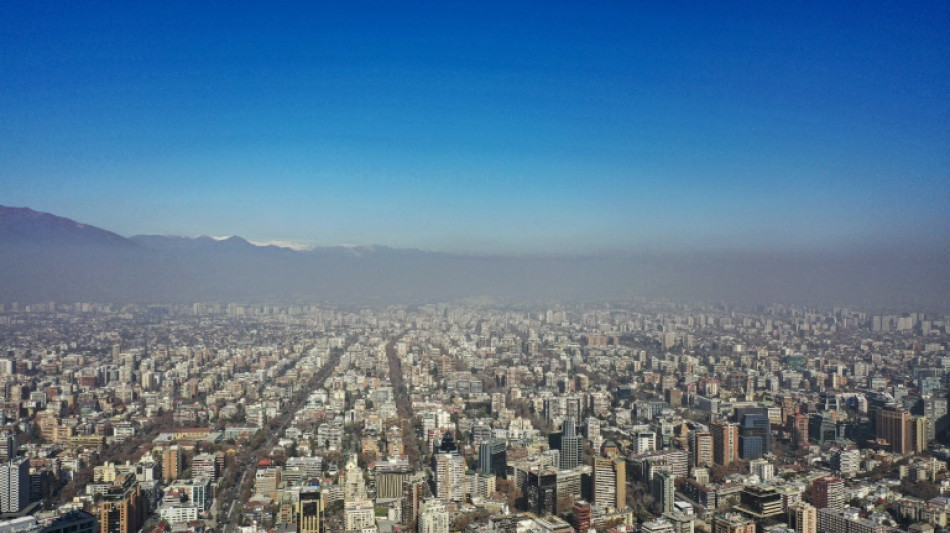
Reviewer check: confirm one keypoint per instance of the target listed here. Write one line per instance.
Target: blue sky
(485, 127)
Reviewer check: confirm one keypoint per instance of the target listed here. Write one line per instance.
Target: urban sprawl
(650, 417)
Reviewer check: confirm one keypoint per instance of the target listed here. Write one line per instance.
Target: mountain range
(46, 257)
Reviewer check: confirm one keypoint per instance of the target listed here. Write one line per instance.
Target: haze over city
(480, 267)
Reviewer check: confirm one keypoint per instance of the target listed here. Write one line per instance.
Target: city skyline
(485, 129)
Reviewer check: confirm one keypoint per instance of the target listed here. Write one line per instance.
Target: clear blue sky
(485, 127)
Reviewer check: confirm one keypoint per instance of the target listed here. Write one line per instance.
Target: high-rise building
(433, 517)
(413, 492)
(390, 476)
(8, 446)
(310, 511)
(354, 486)
(610, 482)
(803, 517)
(701, 448)
(846, 461)
(570, 446)
(541, 490)
(725, 443)
(664, 492)
(799, 426)
(822, 428)
(762, 468)
(755, 436)
(171, 463)
(122, 509)
(918, 437)
(935, 410)
(893, 426)
(14, 485)
(267, 481)
(450, 476)
(493, 458)
(828, 492)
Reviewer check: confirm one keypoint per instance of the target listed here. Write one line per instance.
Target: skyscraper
(755, 436)
(122, 509)
(14, 485)
(171, 463)
(829, 493)
(904, 434)
(570, 446)
(493, 458)
(663, 492)
(701, 448)
(725, 443)
(310, 511)
(541, 490)
(450, 476)
(610, 482)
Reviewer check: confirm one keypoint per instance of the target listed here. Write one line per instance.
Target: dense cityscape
(475, 267)
(650, 417)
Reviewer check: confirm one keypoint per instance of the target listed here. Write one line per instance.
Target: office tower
(449, 476)
(891, 427)
(610, 482)
(799, 425)
(493, 458)
(663, 492)
(14, 485)
(122, 509)
(310, 511)
(701, 448)
(822, 428)
(725, 443)
(171, 463)
(570, 446)
(828, 493)
(541, 490)
(755, 436)
(803, 518)
(904, 434)
(433, 517)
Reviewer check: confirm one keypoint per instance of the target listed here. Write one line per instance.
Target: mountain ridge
(47, 257)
